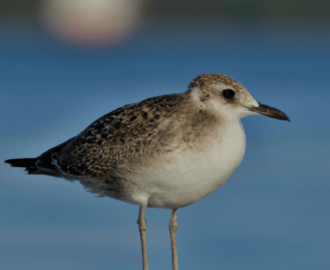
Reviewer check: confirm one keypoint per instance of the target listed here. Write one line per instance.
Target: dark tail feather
(45, 162)
(28, 163)
(22, 162)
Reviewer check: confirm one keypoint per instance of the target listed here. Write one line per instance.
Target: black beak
(270, 112)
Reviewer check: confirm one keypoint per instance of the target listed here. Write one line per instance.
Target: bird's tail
(46, 163)
(28, 163)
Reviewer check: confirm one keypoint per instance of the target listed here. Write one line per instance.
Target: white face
(236, 99)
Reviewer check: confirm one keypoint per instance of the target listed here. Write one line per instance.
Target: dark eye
(228, 93)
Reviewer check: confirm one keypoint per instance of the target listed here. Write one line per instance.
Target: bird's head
(229, 97)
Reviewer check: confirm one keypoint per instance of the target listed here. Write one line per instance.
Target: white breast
(193, 174)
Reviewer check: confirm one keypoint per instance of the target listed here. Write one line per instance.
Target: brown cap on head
(213, 78)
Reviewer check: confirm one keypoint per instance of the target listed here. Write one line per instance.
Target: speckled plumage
(118, 136)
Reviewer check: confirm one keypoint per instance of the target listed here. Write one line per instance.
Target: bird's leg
(143, 228)
(173, 229)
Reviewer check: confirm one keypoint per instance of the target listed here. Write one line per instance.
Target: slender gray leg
(173, 229)
(143, 228)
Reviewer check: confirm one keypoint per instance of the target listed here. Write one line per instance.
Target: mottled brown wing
(117, 137)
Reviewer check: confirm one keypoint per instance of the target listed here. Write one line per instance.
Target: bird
(167, 151)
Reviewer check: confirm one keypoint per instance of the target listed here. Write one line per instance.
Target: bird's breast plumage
(181, 177)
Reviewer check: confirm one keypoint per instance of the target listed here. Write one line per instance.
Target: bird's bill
(270, 112)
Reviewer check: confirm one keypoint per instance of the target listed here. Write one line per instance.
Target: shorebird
(164, 152)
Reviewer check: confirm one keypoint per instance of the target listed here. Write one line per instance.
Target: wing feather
(117, 137)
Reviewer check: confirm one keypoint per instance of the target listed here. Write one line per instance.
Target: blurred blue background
(273, 213)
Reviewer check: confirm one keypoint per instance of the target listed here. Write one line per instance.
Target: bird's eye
(228, 93)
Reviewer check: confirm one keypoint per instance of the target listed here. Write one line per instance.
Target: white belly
(192, 175)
